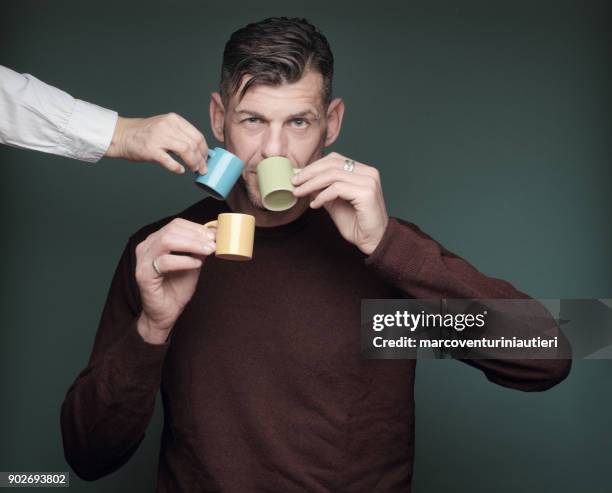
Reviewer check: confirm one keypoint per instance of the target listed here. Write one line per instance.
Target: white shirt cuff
(89, 132)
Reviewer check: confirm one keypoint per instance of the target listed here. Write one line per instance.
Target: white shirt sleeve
(35, 115)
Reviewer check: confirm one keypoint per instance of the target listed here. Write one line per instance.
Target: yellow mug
(235, 235)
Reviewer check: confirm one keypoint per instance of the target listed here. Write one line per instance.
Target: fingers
(191, 230)
(333, 161)
(173, 242)
(163, 158)
(190, 225)
(189, 143)
(188, 150)
(339, 190)
(176, 263)
(180, 233)
(194, 138)
(146, 139)
(177, 237)
(330, 176)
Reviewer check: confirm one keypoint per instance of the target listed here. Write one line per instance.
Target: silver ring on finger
(156, 268)
(349, 165)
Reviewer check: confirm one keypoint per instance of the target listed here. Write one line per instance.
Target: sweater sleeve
(421, 268)
(108, 407)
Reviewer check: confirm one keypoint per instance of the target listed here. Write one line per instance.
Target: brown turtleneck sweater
(263, 385)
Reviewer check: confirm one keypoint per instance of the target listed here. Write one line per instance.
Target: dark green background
(490, 123)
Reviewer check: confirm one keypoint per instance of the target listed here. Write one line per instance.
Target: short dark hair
(274, 51)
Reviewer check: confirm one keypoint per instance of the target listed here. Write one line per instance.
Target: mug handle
(211, 224)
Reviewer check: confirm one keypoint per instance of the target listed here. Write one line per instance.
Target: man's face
(287, 120)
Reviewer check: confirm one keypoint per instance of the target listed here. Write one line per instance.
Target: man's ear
(217, 116)
(335, 113)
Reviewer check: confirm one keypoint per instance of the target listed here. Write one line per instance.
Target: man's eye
(299, 123)
(252, 119)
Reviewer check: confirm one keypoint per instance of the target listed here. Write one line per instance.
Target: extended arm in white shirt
(35, 115)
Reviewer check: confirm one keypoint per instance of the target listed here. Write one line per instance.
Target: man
(262, 382)
(40, 117)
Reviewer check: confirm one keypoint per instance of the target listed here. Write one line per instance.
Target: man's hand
(354, 200)
(164, 296)
(150, 139)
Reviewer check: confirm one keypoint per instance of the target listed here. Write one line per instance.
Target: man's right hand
(151, 139)
(164, 297)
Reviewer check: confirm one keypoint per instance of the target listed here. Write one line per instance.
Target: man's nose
(274, 143)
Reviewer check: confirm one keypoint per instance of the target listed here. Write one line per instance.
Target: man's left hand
(353, 199)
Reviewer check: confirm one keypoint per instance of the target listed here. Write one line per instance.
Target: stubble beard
(254, 197)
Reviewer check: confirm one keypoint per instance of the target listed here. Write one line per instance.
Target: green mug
(274, 175)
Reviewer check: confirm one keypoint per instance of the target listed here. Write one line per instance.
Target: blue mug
(223, 172)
